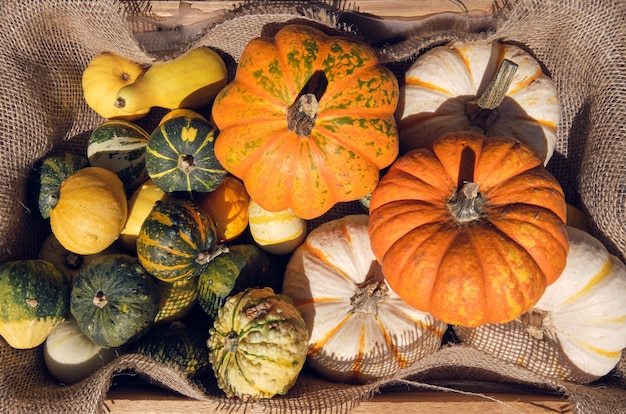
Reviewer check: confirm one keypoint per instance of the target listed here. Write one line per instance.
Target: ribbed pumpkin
(577, 330)
(359, 329)
(176, 240)
(490, 87)
(34, 300)
(114, 300)
(240, 267)
(180, 156)
(257, 345)
(54, 169)
(472, 230)
(308, 120)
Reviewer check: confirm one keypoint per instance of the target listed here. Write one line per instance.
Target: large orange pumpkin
(308, 121)
(471, 230)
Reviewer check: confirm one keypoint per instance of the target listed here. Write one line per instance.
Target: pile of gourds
(466, 231)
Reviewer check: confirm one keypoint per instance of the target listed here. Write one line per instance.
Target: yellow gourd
(275, 232)
(105, 75)
(91, 211)
(189, 81)
(139, 206)
(227, 205)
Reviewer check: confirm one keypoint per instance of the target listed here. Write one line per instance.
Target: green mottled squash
(177, 298)
(177, 345)
(240, 267)
(308, 120)
(114, 300)
(120, 146)
(34, 299)
(53, 170)
(258, 344)
(176, 240)
(180, 156)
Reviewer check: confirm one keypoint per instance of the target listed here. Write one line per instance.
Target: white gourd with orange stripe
(442, 89)
(359, 329)
(577, 330)
(277, 232)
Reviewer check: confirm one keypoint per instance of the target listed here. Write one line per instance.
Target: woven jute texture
(47, 44)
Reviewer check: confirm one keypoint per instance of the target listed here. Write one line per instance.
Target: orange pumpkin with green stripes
(308, 120)
(176, 240)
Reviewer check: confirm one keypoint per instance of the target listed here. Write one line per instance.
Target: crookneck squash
(176, 240)
(472, 230)
(577, 330)
(490, 87)
(359, 329)
(308, 120)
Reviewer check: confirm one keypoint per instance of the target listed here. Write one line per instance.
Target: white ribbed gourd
(444, 87)
(359, 329)
(577, 330)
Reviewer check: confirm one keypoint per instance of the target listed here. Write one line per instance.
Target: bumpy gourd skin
(258, 344)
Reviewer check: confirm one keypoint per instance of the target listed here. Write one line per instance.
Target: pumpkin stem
(100, 300)
(206, 256)
(368, 295)
(466, 203)
(186, 163)
(120, 103)
(483, 112)
(301, 115)
(231, 341)
(533, 323)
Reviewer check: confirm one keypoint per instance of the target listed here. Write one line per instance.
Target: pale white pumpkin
(278, 232)
(71, 356)
(442, 85)
(359, 329)
(577, 330)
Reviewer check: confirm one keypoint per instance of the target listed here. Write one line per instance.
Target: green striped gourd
(120, 146)
(114, 300)
(34, 299)
(180, 156)
(176, 240)
(54, 169)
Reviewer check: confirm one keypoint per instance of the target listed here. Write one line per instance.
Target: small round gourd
(54, 169)
(277, 232)
(359, 329)
(257, 345)
(238, 268)
(227, 205)
(577, 330)
(34, 300)
(71, 356)
(114, 300)
(180, 156)
(91, 211)
(120, 146)
(176, 240)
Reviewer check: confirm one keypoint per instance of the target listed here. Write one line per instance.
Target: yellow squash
(190, 81)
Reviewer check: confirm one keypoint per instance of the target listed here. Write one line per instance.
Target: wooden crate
(135, 397)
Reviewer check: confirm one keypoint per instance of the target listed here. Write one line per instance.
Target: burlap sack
(47, 44)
